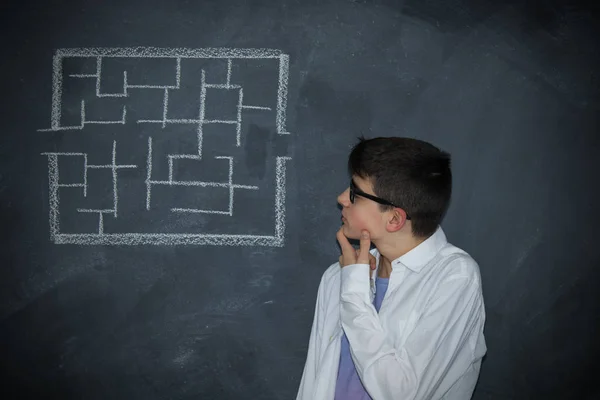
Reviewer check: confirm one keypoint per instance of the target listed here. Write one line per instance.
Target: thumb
(365, 244)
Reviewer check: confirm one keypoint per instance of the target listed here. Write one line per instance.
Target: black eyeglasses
(354, 191)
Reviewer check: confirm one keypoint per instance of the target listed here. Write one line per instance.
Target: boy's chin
(350, 234)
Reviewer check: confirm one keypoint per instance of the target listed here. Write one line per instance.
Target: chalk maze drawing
(103, 237)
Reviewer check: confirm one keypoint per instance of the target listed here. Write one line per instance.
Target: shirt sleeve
(307, 382)
(417, 367)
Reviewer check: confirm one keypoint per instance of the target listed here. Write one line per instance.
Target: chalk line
(53, 195)
(228, 72)
(220, 121)
(168, 121)
(85, 121)
(280, 197)
(178, 73)
(200, 131)
(48, 153)
(222, 86)
(57, 71)
(198, 211)
(99, 78)
(238, 128)
(251, 187)
(165, 106)
(257, 107)
(149, 173)
(170, 169)
(151, 87)
(167, 239)
(184, 156)
(114, 177)
(61, 128)
(230, 180)
(158, 52)
(282, 92)
(201, 184)
(109, 166)
(85, 168)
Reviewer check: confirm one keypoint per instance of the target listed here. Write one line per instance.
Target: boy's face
(363, 213)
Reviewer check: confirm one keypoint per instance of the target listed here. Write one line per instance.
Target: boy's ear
(397, 220)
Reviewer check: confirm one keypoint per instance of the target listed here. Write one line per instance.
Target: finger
(365, 244)
(344, 243)
(372, 260)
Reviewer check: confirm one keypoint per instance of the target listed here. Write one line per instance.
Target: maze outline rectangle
(132, 238)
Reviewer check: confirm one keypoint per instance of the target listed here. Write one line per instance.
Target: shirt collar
(421, 255)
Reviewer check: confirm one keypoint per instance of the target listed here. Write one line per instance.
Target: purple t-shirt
(349, 386)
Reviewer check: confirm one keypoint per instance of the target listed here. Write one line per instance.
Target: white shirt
(427, 340)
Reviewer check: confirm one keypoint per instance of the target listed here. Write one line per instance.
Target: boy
(405, 320)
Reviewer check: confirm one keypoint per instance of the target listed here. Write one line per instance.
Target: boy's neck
(390, 253)
(385, 267)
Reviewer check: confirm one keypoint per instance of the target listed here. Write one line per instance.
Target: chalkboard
(169, 174)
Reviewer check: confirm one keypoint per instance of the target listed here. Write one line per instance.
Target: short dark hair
(411, 173)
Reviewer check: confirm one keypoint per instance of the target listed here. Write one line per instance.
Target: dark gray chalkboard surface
(169, 173)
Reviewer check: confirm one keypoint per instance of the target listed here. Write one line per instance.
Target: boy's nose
(344, 198)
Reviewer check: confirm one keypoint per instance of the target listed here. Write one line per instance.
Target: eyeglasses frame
(355, 191)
